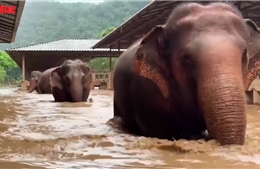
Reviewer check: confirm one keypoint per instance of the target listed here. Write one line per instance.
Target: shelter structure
(43, 56)
(156, 13)
(9, 22)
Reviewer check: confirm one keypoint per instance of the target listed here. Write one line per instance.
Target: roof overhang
(41, 56)
(9, 22)
(156, 13)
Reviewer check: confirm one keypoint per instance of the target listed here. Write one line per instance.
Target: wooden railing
(102, 79)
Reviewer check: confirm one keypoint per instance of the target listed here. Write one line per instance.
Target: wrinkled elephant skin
(187, 76)
(71, 82)
(40, 81)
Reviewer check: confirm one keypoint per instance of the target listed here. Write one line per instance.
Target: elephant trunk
(33, 85)
(76, 91)
(222, 99)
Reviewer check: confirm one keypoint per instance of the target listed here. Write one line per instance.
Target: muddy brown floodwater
(38, 133)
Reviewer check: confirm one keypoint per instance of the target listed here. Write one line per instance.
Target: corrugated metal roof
(63, 45)
(9, 22)
(156, 13)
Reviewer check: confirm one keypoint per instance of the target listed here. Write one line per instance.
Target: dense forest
(48, 21)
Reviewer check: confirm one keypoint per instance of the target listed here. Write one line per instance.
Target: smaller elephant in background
(71, 81)
(35, 75)
(40, 81)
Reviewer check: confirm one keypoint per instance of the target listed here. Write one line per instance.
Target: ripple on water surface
(39, 133)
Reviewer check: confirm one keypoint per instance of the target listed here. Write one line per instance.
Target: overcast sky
(69, 1)
(72, 1)
(92, 1)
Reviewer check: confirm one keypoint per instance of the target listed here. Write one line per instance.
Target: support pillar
(110, 84)
(110, 60)
(23, 67)
(24, 82)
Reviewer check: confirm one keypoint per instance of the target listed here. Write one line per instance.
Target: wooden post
(109, 84)
(23, 85)
(110, 59)
(118, 46)
(23, 67)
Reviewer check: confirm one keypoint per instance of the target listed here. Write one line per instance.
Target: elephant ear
(149, 61)
(87, 75)
(254, 38)
(36, 75)
(253, 51)
(33, 75)
(55, 78)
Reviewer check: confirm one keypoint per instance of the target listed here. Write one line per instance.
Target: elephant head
(74, 78)
(35, 75)
(200, 57)
(253, 66)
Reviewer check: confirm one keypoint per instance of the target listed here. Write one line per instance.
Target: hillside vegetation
(48, 21)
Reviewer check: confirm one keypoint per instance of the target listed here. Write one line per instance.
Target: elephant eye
(186, 60)
(188, 64)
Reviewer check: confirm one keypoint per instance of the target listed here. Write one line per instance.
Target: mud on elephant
(187, 76)
(40, 81)
(71, 82)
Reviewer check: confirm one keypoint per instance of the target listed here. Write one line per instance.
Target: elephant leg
(85, 95)
(39, 90)
(59, 95)
(47, 89)
(127, 125)
(123, 111)
(151, 111)
(154, 122)
(116, 109)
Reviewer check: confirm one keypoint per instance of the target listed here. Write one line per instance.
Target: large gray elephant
(187, 76)
(71, 82)
(40, 81)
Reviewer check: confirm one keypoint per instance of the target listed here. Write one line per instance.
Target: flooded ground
(38, 133)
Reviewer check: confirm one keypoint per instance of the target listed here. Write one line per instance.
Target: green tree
(66, 20)
(9, 70)
(6, 60)
(106, 32)
(70, 20)
(103, 63)
(2, 74)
